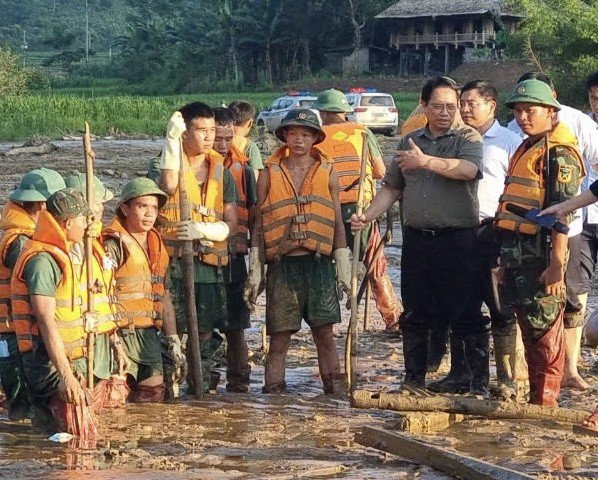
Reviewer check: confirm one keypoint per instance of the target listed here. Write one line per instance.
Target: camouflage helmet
(140, 187)
(68, 203)
(333, 101)
(301, 117)
(100, 193)
(533, 91)
(37, 186)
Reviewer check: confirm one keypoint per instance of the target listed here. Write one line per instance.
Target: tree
(13, 76)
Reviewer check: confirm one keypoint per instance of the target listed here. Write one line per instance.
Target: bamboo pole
(89, 181)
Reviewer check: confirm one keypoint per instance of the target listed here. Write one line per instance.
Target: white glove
(343, 271)
(254, 283)
(212, 231)
(171, 153)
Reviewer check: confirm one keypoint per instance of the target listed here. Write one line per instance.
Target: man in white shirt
(583, 235)
(478, 102)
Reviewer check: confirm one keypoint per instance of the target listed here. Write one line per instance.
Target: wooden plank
(427, 422)
(439, 458)
(466, 406)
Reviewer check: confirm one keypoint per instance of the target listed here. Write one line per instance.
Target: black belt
(436, 232)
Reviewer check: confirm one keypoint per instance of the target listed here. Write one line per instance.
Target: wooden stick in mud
(442, 459)
(351, 341)
(189, 287)
(90, 341)
(465, 405)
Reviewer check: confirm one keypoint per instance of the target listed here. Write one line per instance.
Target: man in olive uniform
(547, 168)
(344, 144)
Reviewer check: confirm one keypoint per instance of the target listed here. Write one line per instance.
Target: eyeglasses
(439, 107)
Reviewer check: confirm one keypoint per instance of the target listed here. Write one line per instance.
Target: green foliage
(13, 76)
(561, 38)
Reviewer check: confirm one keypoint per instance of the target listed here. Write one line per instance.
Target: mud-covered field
(300, 435)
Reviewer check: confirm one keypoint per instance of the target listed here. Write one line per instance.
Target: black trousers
(439, 281)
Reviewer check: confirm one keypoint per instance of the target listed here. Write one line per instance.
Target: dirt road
(300, 435)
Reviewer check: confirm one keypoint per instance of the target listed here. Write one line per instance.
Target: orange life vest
(139, 289)
(207, 205)
(15, 221)
(344, 144)
(71, 292)
(292, 219)
(525, 184)
(236, 163)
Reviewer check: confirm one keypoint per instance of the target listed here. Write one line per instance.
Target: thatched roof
(443, 8)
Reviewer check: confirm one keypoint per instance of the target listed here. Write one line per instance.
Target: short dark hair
(224, 116)
(485, 89)
(537, 76)
(592, 81)
(243, 111)
(194, 110)
(435, 83)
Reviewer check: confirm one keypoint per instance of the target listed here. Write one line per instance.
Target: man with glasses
(479, 102)
(435, 174)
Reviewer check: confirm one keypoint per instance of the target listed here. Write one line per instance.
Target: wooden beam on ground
(585, 430)
(427, 422)
(439, 458)
(466, 406)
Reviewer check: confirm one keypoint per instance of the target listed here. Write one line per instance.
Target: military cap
(139, 187)
(333, 101)
(100, 193)
(301, 117)
(68, 203)
(533, 91)
(37, 185)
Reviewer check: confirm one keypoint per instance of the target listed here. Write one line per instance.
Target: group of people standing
(294, 214)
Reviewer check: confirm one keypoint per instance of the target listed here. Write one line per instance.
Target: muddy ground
(300, 435)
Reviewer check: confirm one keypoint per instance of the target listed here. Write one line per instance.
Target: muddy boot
(458, 379)
(238, 370)
(505, 353)
(478, 361)
(280, 387)
(520, 369)
(438, 341)
(335, 383)
(415, 353)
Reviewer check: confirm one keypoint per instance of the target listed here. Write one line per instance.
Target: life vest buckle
(302, 218)
(303, 199)
(298, 236)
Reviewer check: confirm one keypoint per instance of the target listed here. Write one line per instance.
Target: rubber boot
(438, 348)
(415, 353)
(505, 352)
(458, 379)
(238, 370)
(520, 369)
(478, 361)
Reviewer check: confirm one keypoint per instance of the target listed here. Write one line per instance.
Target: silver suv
(377, 111)
(271, 117)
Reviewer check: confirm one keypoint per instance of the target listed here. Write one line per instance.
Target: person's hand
(122, 360)
(254, 283)
(342, 267)
(176, 126)
(560, 210)
(553, 278)
(179, 360)
(358, 222)
(71, 390)
(411, 159)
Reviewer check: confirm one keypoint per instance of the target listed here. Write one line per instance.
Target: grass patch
(63, 112)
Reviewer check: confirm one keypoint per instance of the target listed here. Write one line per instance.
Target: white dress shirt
(499, 145)
(586, 132)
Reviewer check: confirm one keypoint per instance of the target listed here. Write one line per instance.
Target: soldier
(343, 143)
(478, 105)
(17, 225)
(49, 295)
(237, 355)
(244, 113)
(141, 294)
(300, 229)
(547, 168)
(213, 198)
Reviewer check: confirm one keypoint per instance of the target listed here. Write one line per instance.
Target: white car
(271, 117)
(377, 111)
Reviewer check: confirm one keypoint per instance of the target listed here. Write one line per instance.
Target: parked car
(377, 111)
(271, 117)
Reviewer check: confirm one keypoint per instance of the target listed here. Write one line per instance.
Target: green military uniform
(525, 256)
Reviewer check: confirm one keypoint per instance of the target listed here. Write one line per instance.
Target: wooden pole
(351, 341)
(189, 286)
(91, 289)
(466, 406)
(366, 310)
(442, 459)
